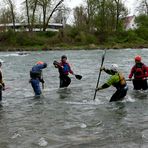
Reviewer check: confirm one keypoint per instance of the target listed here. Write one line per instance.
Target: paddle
(79, 77)
(135, 79)
(103, 57)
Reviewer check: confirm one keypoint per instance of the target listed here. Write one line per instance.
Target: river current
(69, 118)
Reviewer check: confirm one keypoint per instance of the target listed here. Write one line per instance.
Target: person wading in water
(64, 70)
(36, 77)
(117, 80)
(140, 73)
(2, 84)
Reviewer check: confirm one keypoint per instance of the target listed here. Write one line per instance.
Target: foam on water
(85, 102)
(128, 99)
(42, 142)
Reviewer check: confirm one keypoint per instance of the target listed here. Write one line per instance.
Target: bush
(142, 32)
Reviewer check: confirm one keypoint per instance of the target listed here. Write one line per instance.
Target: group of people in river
(139, 71)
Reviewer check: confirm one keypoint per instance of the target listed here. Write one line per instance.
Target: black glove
(3, 86)
(42, 81)
(99, 88)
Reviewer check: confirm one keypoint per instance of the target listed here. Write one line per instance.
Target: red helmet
(40, 62)
(138, 58)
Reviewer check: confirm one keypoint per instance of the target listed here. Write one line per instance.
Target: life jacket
(121, 83)
(35, 75)
(139, 70)
(65, 69)
(122, 79)
(35, 72)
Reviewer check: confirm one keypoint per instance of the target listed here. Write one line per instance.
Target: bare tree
(11, 7)
(28, 16)
(33, 6)
(62, 14)
(54, 9)
(30, 6)
(120, 10)
(45, 5)
(5, 16)
(143, 7)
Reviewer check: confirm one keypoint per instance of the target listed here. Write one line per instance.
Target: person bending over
(117, 80)
(36, 77)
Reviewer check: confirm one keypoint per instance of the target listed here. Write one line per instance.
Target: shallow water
(69, 118)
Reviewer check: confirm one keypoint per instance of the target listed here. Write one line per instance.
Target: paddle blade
(79, 77)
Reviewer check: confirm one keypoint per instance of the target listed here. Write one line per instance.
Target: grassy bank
(68, 39)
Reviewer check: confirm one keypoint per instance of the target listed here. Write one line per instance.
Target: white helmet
(114, 67)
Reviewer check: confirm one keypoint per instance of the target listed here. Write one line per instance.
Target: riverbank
(38, 41)
(72, 47)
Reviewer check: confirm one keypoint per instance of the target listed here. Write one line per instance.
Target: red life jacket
(139, 71)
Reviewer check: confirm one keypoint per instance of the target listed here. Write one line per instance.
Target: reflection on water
(68, 117)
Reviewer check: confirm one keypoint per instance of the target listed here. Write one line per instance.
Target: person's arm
(70, 71)
(131, 73)
(105, 85)
(44, 65)
(1, 80)
(108, 71)
(109, 82)
(145, 69)
(57, 64)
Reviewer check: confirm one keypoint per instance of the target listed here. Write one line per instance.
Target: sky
(130, 4)
(73, 3)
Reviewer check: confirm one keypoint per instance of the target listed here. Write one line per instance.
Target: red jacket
(139, 71)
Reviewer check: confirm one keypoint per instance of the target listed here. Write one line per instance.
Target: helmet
(39, 62)
(138, 58)
(114, 67)
(63, 56)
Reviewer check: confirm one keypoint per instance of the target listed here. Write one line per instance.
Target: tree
(100, 16)
(62, 15)
(46, 7)
(30, 7)
(142, 20)
(143, 7)
(11, 7)
(121, 11)
(5, 16)
(80, 18)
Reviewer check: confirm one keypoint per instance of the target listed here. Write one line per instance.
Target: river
(69, 118)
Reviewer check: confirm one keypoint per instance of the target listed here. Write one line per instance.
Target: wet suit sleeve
(57, 64)
(132, 72)
(1, 80)
(70, 71)
(145, 70)
(108, 71)
(42, 66)
(105, 85)
(109, 82)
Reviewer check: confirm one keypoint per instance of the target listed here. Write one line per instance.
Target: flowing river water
(69, 118)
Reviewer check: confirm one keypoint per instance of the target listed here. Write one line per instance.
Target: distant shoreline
(87, 47)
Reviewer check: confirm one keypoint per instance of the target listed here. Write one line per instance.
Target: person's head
(138, 59)
(63, 58)
(42, 63)
(39, 63)
(114, 68)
